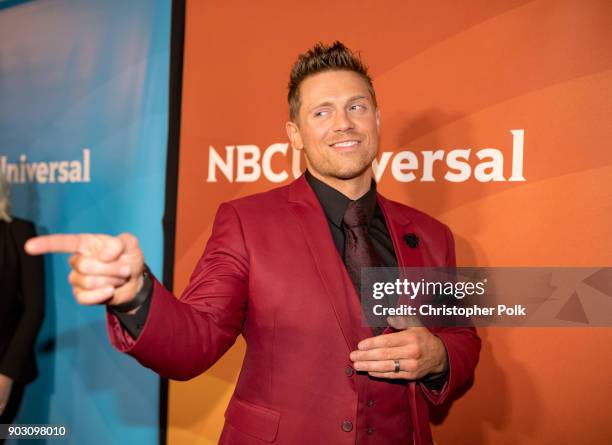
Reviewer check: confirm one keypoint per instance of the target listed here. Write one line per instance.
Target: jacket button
(370, 430)
(349, 371)
(347, 426)
(370, 402)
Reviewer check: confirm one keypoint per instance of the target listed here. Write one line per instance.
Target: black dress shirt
(334, 205)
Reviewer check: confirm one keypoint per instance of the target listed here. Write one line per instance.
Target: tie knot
(355, 215)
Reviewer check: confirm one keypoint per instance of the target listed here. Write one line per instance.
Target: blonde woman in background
(21, 307)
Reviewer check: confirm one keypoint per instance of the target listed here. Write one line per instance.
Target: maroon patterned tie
(359, 252)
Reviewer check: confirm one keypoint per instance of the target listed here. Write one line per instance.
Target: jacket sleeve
(462, 347)
(181, 338)
(31, 285)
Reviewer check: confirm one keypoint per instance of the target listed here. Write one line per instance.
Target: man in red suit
(282, 268)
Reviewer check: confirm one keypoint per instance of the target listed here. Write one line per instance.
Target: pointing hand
(105, 269)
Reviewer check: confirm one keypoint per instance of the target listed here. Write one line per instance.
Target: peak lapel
(400, 225)
(313, 224)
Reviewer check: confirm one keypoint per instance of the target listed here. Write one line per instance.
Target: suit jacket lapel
(400, 225)
(338, 286)
(342, 297)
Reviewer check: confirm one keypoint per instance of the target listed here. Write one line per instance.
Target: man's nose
(343, 121)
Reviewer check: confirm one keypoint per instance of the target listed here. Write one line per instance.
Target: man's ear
(293, 133)
(378, 119)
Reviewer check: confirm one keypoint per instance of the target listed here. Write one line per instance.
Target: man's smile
(346, 144)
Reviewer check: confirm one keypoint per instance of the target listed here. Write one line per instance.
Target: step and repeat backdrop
(83, 132)
(501, 109)
(495, 120)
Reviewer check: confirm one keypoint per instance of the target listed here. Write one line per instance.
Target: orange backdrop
(449, 75)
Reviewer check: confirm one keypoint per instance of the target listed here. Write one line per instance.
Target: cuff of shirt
(133, 323)
(436, 381)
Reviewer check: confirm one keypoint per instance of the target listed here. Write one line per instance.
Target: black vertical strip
(175, 91)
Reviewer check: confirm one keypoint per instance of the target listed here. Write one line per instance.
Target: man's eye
(358, 107)
(320, 113)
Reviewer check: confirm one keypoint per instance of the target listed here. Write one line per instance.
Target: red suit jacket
(271, 272)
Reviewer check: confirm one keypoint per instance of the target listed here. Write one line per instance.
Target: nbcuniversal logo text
(248, 163)
(47, 172)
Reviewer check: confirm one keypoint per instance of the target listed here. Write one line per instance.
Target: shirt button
(370, 402)
(347, 426)
(349, 371)
(370, 430)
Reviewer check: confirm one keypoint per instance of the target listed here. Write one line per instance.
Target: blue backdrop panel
(83, 133)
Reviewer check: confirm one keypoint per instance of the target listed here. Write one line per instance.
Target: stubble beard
(338, 168)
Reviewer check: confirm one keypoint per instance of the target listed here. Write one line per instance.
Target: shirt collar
(335, 203)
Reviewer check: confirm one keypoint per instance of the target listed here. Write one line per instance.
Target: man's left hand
(419, 353)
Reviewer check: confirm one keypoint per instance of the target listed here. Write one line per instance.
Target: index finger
(39, 245)
(383, 341)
